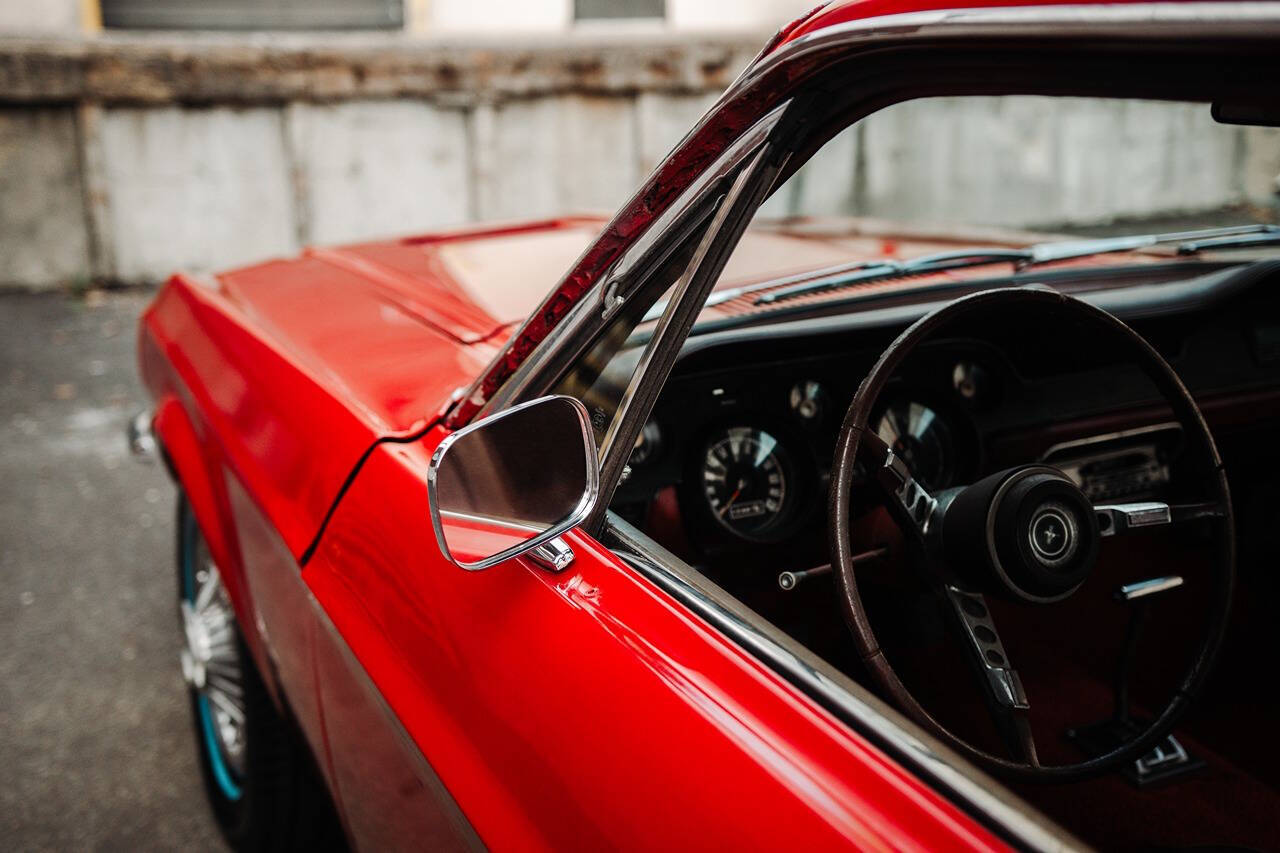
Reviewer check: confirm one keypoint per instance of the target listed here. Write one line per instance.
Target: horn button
(1026, 533)
(1054, 535)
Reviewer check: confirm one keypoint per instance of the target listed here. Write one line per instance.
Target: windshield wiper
(1268, 235)
(877, 270)
(1189, 243)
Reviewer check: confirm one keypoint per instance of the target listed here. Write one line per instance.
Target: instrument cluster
(736, 462)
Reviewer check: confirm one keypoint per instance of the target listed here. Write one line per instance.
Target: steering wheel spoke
(910, 503)
(1116, 519)
(1006, 698)
(985, 648)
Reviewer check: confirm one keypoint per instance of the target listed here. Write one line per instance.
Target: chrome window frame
(573, 336)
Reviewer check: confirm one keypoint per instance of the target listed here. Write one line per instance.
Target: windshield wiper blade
(1189, 243)
(875, 271)
(1269, 237)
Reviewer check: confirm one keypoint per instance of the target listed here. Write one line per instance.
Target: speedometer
(745, 477)
(920, 438)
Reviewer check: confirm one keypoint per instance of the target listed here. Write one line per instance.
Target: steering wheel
(1027, 535)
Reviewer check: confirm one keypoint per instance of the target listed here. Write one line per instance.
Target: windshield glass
(973, 192)
(938, 178)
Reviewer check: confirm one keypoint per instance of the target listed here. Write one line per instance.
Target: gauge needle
(729, 503)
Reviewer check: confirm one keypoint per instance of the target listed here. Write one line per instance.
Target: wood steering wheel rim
(1199, 441)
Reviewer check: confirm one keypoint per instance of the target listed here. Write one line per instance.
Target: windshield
(956, 194)
(983, 187)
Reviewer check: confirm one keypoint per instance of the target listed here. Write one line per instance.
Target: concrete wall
(43, 238)
(1037, 162)
(508, 16)
(461, 17)
(29, 17)
(123, 160)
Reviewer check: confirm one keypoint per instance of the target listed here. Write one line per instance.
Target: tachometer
(922, 439)
(745, 475)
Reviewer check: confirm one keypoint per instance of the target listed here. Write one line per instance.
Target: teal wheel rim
(199, 612)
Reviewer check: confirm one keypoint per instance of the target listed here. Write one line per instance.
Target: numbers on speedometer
(745, 477)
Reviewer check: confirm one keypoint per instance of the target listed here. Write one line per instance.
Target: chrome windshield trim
(592, 312)
(668, 326)
(979, 795)
(733, 156)
(1168, 19)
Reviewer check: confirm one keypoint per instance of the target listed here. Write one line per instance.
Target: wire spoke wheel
(264, 789)
(211, 665)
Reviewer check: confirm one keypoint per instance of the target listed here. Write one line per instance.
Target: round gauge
(920, 438)
(745, 476)
(808, 400)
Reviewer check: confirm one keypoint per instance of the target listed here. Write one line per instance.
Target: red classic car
(790, 533)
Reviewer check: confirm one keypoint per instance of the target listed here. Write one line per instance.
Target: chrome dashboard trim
(980, 796)
(1103, 438)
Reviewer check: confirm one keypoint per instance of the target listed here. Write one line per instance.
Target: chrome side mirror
(505, 485)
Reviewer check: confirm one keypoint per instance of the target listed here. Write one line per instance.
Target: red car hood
(395, 327)
(470, 285)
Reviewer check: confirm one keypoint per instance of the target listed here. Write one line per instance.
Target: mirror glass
(506, 484)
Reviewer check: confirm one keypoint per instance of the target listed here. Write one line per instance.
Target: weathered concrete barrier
(123, 158)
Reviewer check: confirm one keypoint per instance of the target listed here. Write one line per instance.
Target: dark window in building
(253, 14)
(587, 10)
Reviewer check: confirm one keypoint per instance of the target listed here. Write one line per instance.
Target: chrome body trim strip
(973, 791)
(292, 575)
(465, 832)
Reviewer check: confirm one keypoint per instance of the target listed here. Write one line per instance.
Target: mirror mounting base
(554, 555)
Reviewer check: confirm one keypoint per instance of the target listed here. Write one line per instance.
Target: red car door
(517, 708)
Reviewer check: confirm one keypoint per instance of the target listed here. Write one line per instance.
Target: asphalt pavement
(96, 747)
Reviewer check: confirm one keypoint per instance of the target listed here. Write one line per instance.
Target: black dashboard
(733, 466)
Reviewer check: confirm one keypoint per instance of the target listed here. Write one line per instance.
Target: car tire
(259, 775)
